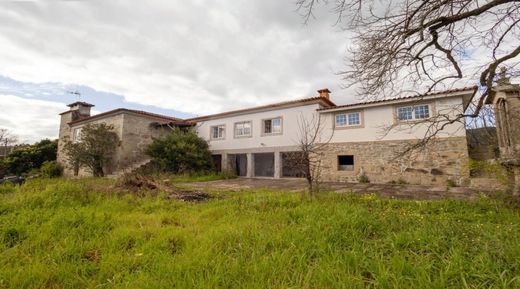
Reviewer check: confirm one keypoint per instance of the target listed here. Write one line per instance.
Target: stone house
(256, 142)
(135, 130)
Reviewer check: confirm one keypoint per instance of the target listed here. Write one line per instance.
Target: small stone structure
(506, 102)
(135, 130)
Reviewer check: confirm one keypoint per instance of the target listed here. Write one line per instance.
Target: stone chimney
(325, 93)
(79, 110)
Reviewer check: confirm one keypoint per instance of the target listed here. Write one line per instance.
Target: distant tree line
(25, 159)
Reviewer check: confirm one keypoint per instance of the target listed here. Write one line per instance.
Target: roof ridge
(467, 88)
(276, 104)
(142, 112)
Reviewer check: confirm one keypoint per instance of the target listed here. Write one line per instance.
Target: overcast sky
(181, 58)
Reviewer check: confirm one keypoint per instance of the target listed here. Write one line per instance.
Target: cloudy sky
(181, 58)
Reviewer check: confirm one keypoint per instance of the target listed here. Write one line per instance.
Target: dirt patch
(142, 185)
(399, 191)
(189, 196)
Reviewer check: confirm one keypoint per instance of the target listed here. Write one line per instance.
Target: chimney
(325, 93)
(80, 110)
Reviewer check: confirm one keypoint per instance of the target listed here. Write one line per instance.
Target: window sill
(271, 134)
(242, 136)
(349, 126)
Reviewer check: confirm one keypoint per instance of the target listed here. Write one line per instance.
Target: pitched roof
(325, 100)
(398, 99)
(125, 110)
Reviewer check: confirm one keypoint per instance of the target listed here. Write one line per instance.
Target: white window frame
(347, 119)
(413, 112)
(272, 132)
(236, 129)
(218, 127)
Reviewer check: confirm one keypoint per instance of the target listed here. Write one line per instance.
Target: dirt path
(297, 185)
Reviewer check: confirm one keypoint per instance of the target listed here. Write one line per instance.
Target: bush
(451, 184)
(182, 151)
(363, 178)
(3, 168)
(31, 157)
(51, 169)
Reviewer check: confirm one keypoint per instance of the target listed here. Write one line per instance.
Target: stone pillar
(250, 166)
(224, 164)
(277, 165)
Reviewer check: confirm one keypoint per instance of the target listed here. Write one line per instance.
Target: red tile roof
(269, 106)
(472, 88)
(125, 110)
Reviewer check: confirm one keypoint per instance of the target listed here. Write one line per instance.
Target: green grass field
(77, 234)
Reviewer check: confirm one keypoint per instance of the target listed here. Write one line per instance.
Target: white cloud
(193, 56)
(29, 119)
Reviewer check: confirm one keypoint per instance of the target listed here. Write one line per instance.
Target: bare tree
(418, 46)
(308, 160)
(6, 140)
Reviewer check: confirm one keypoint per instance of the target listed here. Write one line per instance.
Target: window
(422, 112)
(413, 112)
(348, 119)
(346, 163)
(353, 118)
(273, 126)
(341, 120)
(218, 132)
(404, 113)
(243, 129)
(76, 136)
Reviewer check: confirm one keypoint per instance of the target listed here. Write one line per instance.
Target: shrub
(451, 183)
(51, 169)
(31, 157)
(3, 168)
(181, 151)
(363, 178)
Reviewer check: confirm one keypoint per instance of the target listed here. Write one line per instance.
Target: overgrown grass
(72, 234)
(202, 177)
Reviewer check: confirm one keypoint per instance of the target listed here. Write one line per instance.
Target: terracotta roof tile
(401, 98)
(123, 110)
(273, 105)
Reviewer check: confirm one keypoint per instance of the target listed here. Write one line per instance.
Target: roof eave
(121, 111)
(356, 106)
(295, 103)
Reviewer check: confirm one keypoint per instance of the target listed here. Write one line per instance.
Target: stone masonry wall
(134, 133)
(137, 135)
(442, 160)
(117, 122)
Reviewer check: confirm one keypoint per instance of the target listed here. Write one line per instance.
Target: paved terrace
(386, 190)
